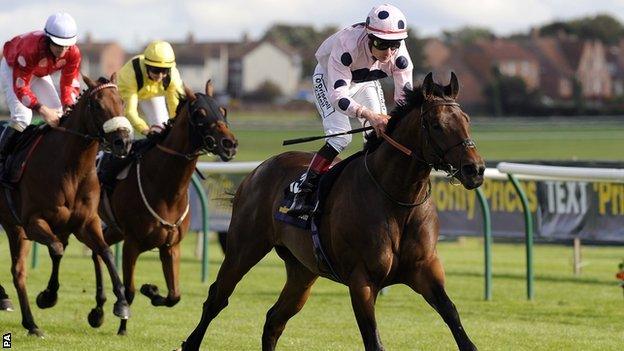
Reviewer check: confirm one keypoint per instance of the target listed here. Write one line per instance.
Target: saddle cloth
(325, 185)
(25, 145)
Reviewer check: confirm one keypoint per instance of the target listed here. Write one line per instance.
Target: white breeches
(368, 94)
(154, 111)
(42, 87)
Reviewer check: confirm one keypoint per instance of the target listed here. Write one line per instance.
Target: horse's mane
(414, 99)
(69, 110)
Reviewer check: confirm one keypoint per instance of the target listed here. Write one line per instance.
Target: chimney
(190, 38)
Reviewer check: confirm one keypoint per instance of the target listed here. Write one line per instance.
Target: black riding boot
(304, 200)
(108, 169)
(7, 144)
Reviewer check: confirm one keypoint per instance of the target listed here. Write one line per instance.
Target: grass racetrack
(568, 312)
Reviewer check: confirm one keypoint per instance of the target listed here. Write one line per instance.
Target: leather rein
(439, 153)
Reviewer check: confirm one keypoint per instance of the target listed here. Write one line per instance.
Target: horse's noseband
(201, 126)
(440, 154)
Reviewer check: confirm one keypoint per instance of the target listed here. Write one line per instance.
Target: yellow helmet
(159, 54)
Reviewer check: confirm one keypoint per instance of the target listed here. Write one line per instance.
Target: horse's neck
(171, 174)
(75, 150)
(403, 177)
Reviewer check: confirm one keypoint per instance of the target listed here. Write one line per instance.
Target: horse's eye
(437, 127)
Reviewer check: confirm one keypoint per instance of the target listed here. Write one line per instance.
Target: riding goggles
(157, 70)
(382, 45)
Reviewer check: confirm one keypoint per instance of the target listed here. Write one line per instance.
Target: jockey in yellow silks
(150, 86)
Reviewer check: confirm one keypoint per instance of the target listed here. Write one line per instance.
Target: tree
(305, 39)
(602, 27)
(415, 47)
(510, 96)
(467, 35)
(267, 92)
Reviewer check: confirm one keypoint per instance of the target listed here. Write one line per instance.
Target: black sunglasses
(380, 44)
(157, 70)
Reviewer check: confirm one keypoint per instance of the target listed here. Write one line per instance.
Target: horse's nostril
(481, 170)
(470, 170)
(227, 144)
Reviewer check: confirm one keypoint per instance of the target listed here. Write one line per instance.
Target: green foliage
(603, 27)
(467, 35)
(510, 96)
(305, 39)
(415, 47)
(267, 92)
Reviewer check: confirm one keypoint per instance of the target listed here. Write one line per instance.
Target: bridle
(440, 163)
(200, 129)
(440, 154)
(100, 134)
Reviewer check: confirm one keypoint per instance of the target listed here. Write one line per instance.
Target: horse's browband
(100, 87)
(436, 104)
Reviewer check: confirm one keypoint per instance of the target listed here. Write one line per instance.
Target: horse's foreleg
(170, 259)
(94, 239)
(39, 230)
(19, 251)
(363, 296)
(5, 302)
(96, 316)
(130, 256)
(48, 297)
(428, 280)
(299, 281)
(238, 261)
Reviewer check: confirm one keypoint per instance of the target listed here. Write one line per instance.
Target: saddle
(312, 222)
(25, 145)
(325, 185)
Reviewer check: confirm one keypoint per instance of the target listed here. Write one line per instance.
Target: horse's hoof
(149, 290)
(36, 332)
(6, 305)
(96, 317)
(121, 310)
(46, 299)
(121, 332)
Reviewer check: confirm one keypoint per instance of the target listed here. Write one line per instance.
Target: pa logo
(6, 341)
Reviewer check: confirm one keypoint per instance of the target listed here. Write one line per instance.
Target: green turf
(261, 134)
(568, 313)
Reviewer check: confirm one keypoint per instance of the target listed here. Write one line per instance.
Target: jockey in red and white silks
(25, 70)
(346, 85)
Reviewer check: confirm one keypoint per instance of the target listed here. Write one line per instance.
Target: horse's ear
(428, 85)
(113, 78)
(189, 93)
(209, 88)
(88, 81)
(452, 89)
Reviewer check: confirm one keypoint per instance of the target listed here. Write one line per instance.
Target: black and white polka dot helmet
(386, 22)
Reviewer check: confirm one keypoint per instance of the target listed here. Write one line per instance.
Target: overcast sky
(135, 22)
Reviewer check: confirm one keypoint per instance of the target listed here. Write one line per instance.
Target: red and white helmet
(386, 22)
(61, 28)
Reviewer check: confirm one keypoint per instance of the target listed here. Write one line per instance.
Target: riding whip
(305, 140)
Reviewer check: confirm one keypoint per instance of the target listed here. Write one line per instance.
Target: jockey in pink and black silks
(25, 70)
(346, 85)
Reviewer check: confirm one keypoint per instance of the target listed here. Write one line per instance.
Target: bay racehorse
(379, 227)
(59, 192)
(148, 209)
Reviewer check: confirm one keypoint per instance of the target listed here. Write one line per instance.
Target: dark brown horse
(150, 206)
(59, 193)
(379, 227)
